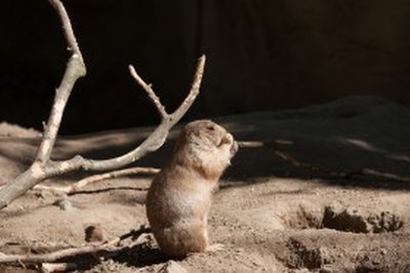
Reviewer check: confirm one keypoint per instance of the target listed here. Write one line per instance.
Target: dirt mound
(353, 220)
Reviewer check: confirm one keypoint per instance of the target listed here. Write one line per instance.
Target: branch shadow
(137, 256)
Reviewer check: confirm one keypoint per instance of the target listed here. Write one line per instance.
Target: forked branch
(150, 144)
(43, 167)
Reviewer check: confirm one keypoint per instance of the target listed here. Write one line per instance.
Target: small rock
(63, 204)
(94, 233)
(326, 269)
(174, 267)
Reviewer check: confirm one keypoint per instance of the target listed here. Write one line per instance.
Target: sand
(270, 215)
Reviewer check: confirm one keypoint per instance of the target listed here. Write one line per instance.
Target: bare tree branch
(74, 251)
(96, 178)
(150, 144)
(68, 30)
(75, 69)
(43, 167)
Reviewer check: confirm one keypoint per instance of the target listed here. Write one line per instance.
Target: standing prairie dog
(179, 198)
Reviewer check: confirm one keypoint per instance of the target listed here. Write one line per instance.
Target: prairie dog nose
(227, 139)
(234, 148)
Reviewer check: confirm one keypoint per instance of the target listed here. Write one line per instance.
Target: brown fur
(179, 198)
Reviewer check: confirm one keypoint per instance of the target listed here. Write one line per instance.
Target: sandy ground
(270, 216)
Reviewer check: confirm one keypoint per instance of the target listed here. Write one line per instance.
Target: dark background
(262, 55)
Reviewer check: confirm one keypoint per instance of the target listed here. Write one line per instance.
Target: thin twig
(151, 94)
(68, 29)
(37, 246)
(97, 178)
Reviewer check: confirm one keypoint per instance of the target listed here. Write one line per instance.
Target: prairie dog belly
(177, 204)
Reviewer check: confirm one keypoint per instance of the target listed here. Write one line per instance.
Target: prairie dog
(179, 198)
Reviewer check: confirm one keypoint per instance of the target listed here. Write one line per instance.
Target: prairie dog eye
(210, 128)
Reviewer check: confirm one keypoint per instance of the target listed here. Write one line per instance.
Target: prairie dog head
(205, 147)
